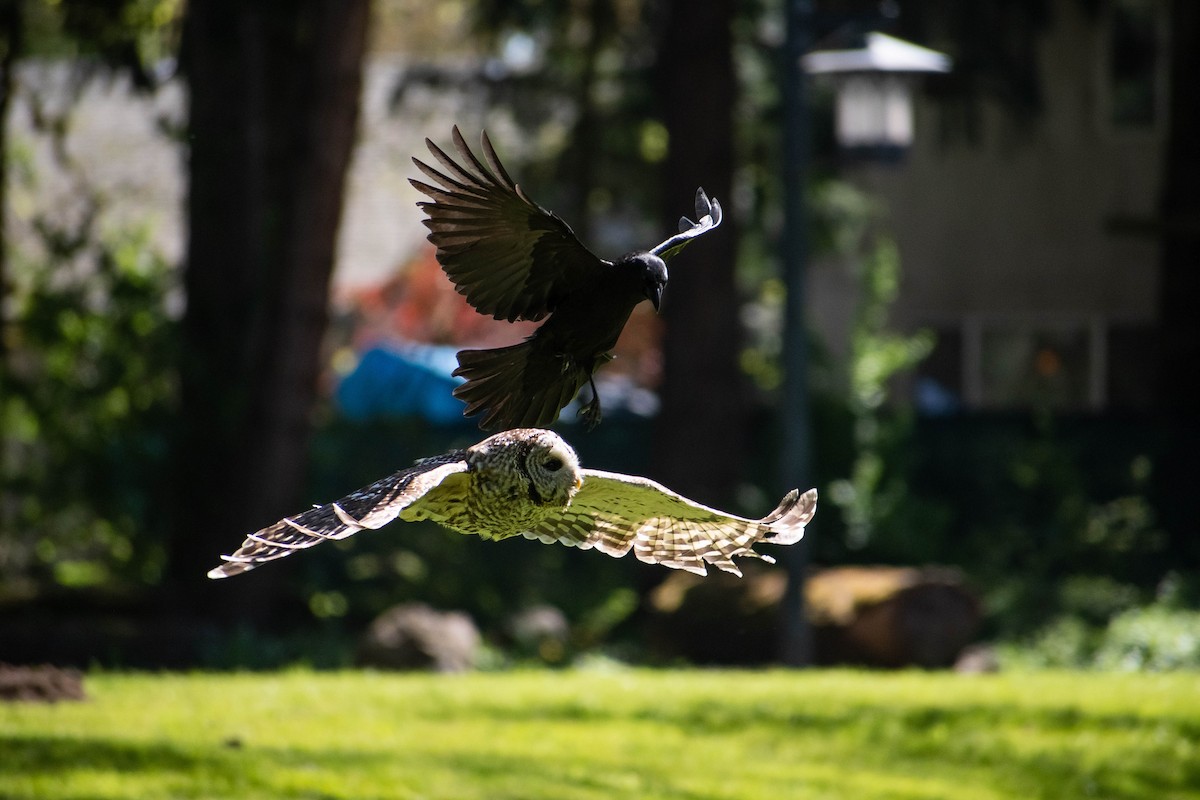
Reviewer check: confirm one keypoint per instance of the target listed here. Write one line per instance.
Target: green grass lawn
(610, 734)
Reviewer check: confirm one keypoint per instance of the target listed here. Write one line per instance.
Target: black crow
(515, 260)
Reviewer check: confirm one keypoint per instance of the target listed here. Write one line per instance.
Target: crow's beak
(655, 294)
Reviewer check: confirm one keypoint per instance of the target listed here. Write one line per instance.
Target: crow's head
(653, 275)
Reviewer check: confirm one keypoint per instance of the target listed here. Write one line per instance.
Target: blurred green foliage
(1103, 626)
(129, 35)
(86, 330)
(864, 425)
(1049, 516)
(1154, 638)
(87, 387)
(875, 490)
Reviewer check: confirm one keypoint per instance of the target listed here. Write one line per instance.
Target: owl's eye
(553, 464)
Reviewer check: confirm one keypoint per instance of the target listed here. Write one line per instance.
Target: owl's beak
(578, 482)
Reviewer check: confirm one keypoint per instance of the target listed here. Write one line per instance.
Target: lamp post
(795, 645)
(874, 119)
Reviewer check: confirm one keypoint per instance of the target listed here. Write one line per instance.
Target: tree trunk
(701, 427)
(12, 36)
(274, 96)
(1179, 278)
(1179, 375)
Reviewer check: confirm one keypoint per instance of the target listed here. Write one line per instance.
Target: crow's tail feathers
(517, 386)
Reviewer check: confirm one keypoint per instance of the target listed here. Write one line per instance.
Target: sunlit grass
(628, 734)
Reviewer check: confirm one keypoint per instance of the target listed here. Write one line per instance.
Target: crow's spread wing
(615, 513)
(708, 214)
(507, 255)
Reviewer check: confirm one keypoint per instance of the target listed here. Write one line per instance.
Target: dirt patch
(40, 684)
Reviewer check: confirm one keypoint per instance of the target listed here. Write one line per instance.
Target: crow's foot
(590, 412)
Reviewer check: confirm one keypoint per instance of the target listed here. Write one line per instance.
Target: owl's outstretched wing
(708, 216)
(616, 513)
(507, 255)
(399, 494)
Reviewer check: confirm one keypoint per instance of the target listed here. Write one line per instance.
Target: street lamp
(874, 118)
(873, 92)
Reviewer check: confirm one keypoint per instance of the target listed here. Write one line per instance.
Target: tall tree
(1179, 274)
(273, 107)
(11, 42)
(1179, 208)
(701, 428)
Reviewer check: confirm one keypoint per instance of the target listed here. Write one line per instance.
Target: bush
(1154, 638)
(1158, 637)
(87, 394)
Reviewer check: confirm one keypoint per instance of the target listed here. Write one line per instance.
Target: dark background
(153, 411)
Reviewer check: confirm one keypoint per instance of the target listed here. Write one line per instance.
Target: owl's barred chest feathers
(511, 489)
(498, 509)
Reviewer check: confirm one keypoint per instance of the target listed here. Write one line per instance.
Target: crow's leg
(590, 412)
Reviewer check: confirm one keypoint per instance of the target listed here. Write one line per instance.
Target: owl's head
(539, 459)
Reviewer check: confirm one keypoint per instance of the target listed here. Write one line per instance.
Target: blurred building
(1028, 248)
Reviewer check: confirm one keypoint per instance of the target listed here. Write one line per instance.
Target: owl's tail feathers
(788, 520)
(519, 386)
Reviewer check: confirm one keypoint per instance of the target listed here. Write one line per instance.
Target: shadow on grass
(226, 768)
(232, 769)
(994, 738)
(26, 755)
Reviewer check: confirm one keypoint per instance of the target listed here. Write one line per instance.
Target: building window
(1038, 366)
(994, 362)
(1015, 362)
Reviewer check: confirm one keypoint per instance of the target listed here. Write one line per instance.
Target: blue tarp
(403, 380)
(411, 379)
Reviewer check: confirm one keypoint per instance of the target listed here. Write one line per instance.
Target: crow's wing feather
(511, 258)
(708, 212)
(520, 386)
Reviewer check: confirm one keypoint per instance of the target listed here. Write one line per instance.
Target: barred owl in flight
(529, 482)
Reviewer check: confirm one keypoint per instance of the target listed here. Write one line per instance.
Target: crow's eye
(553, 464)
